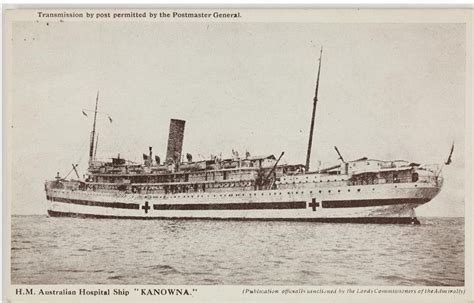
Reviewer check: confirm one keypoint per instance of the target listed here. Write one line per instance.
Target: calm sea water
(90, 251)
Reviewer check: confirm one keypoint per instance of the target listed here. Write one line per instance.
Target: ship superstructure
(244, 187)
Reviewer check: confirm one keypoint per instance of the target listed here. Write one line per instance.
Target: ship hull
(384, 204)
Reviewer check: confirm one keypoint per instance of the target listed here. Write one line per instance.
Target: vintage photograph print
(235, 147)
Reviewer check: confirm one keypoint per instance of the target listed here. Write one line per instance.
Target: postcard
(237, 155)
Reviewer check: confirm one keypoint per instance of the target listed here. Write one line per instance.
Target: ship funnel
(175, 141)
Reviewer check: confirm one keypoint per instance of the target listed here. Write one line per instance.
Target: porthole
(358, 189)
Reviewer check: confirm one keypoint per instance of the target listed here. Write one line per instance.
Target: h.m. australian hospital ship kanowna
(244, 188)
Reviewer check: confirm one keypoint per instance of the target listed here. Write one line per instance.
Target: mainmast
(96, 144)
(315, 101)
(91, 149)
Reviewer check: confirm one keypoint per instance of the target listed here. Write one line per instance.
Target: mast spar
(315, 101)
(96, 144)
(91, 149)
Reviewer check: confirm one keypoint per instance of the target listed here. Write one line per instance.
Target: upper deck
(258, 173)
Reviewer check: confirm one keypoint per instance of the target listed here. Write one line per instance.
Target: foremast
(92, 139)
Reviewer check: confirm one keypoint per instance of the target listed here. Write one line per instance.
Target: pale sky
(387, 91)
